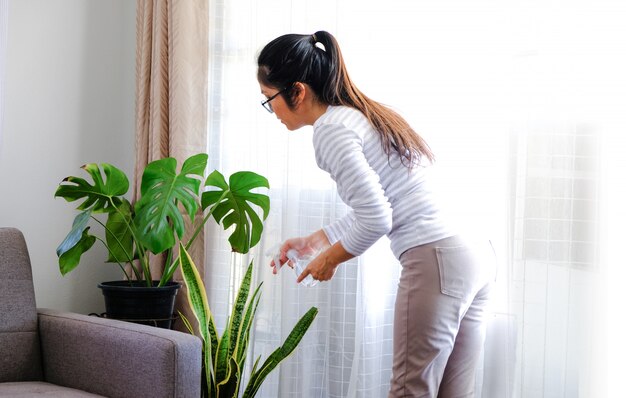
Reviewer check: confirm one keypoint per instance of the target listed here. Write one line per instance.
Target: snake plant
(224, 356)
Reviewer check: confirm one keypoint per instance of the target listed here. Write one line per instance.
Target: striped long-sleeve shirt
(385, 197)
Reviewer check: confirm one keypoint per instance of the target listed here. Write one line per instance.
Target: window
(513, 99)
(557, 191)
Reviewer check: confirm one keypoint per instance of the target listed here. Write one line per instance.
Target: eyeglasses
(267, 105)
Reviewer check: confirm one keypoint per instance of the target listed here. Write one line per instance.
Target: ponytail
(317, 61)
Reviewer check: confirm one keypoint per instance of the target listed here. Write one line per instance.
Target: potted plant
(224, 358)
(133, 232)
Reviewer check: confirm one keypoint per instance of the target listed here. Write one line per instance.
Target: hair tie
(318, 44)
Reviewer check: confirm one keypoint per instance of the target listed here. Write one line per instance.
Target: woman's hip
(454, 266)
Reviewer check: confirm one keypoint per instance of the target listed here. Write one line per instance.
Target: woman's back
(339, 135)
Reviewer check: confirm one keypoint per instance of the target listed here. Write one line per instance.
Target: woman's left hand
(319, 268)
(324, 266)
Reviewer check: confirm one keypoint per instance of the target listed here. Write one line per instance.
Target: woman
(375, 158)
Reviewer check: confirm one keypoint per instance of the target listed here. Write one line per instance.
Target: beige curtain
(171, 94)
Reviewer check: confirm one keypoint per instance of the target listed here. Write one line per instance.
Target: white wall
(69, 100)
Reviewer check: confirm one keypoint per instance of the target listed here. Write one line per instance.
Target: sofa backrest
(19, 337)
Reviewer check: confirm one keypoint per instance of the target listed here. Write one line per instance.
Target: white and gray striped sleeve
(336, 230)
(339, 151)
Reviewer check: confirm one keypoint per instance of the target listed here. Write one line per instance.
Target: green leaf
(230, 386)
(235, 209)
(118, 235)
(213, 339)
(196, 293)
(100, 196)
(238, 312)
(78, 226)
(222, 361)
(298, 332)
(256, 364)
(158, 215)
(197, 298)
(244, 336)
(71, 258)
(186, 322)
(209, 377)
(290, 344)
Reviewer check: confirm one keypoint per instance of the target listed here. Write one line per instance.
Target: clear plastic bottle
(300, 262)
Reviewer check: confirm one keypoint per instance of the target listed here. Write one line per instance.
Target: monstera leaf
(99, 197)
(119, 236)
(232, 206)
(77, 242)
(153, 224)
(162, 191)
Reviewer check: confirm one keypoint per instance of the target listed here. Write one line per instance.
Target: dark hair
(294, 58)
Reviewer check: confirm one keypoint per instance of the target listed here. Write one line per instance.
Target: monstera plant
(155, 224)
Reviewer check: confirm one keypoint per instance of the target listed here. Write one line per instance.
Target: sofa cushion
(18, 313)
(39, 388)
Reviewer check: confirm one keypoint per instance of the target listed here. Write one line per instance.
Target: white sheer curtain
(499, 91)
(348, 348)
(568, 89)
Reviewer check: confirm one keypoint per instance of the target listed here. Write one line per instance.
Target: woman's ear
(299, 92)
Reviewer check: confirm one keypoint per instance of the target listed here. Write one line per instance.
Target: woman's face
(291, 118)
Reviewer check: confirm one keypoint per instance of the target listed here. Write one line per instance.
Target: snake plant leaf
(118, 234)
(228, 365)
(185, 322)
(158, 215)
(231, 202)
(207, 384)
(282, 352)
(229, 388)
(222, 361)
(197, 297)
(256, 364)
(207, 375)
(102, 195)
(71, 258)
(244, 336)
(196, 293)
(242, 315)
(237, 313)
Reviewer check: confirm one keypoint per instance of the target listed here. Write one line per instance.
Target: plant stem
(168, 264)
(205, 219)
(135, 270)
(145, 263)
(169, 270)
(118, 263)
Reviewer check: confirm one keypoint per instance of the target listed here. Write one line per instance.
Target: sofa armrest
(118, 359)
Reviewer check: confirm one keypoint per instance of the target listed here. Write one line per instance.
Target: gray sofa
(59, 354)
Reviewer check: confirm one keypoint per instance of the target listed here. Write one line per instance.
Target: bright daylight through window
(509, 97)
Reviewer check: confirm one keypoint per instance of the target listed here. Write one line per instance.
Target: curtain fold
(171, 95)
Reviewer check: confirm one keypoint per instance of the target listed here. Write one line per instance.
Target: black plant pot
(140, 304)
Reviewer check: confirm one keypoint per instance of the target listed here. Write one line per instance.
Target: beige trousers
(439, 321)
